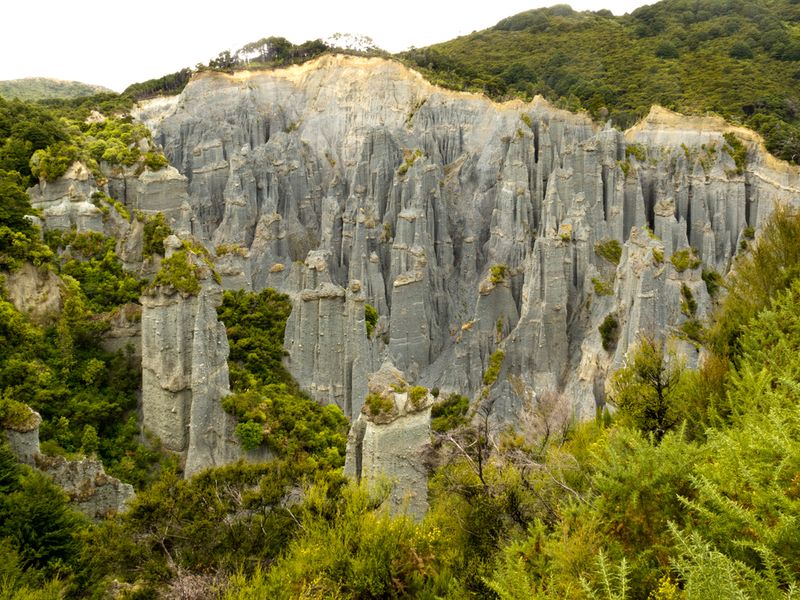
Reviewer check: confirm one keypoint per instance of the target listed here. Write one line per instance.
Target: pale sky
(116, 44)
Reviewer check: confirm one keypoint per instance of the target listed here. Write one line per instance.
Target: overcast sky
(116, 44)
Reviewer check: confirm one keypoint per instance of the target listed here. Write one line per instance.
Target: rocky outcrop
(36, 292)
(470, 226)
(22, 435)
(67, 202)
(371, 177)
(185, 374)
(387, 440)
(125, 331)
(90, 489)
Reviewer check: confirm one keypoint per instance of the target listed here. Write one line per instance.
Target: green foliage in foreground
(38, 532)
(737, 58)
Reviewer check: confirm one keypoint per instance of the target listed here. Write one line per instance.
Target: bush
(156, 230)
(498, 274)
(610, 250)
(180, 272)
(52, 163)
(608, 332)
(684, 259)
(370, 319)
(738, 152)
(740, 50)
(648, 389)
(688, 303)
(416, 395)
(493, 370)
(637, 151)
(378, 406)
(155, 161)
(667, 50)
(713, 281)
(250, 435)
(602, 288)
(658, 256)
(450, 413)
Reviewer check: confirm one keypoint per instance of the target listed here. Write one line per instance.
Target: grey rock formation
(185, 375)
(350, 180)
(35, 292)
(371, 176)
(23, 437)
(90, 489)
(388, 446)
(125, 331)
(66, 203)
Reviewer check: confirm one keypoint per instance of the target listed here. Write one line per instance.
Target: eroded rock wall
(470, 226)
(349, 172)
(185, 376)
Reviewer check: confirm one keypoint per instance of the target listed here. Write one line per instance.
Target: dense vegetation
(737, 58)
(267, 400)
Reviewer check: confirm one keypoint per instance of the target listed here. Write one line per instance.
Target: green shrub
(225, 249)
(15, 415)
(52, 163)
(498, 273)
(667, 50)
(602, 288)
(180, 272)
(378, 405)
(648, 389)
(658, 256)
(250, 435)
(416, 395)
(608, 332)
(449, 413)
(693, 329)
(713, 281)
(256, 323)
(370, 319)
(740, 50)
(493, 370)
(637, 151)
(155, 161)
(684, 259)
(156, 230)
(737, 151)
(688, 303)
(611, 250)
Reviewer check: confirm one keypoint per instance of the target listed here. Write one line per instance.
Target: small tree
(647, 389)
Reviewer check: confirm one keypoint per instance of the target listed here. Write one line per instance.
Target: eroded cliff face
(185, 374)
(470, 226)
(350, 180)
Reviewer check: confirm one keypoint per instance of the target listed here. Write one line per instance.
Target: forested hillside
(41, 88)
(737, 58)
